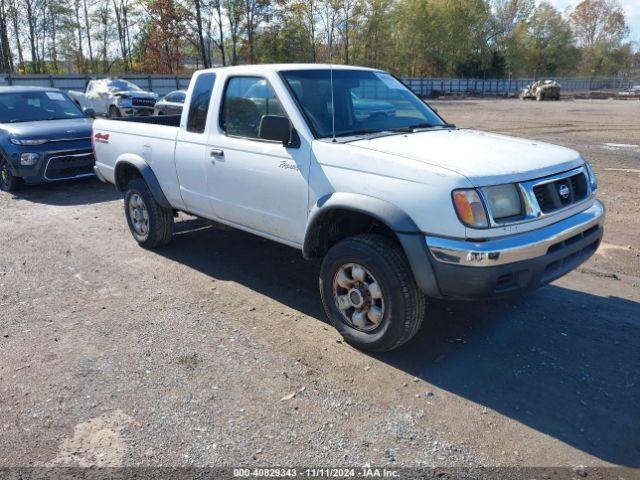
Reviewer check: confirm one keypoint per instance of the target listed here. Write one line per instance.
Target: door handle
(216, 153)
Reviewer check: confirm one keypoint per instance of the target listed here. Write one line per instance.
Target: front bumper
(55, 165)
(513, 264)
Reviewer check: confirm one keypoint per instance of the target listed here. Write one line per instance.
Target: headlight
(469, 208)
(124, 101)
(20, 141)
(592, 176)
(29, 159)
(503, 200)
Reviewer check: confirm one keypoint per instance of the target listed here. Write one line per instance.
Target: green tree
(551, 48)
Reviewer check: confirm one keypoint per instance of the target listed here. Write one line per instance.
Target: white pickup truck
(348, 165)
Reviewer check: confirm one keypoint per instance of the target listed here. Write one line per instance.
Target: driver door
(253, 183)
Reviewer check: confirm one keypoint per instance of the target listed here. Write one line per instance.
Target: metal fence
(507, 86)
(163, 84)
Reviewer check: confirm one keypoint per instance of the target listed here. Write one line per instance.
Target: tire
(397, 297)
(152, 226)
(8, 182)
(114, 112)
(539, 97)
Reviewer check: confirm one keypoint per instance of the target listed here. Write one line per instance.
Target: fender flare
(383, 211)
(147, 175)
(409, 235)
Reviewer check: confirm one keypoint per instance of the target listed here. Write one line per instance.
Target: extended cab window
(246, 100)
(199, 104)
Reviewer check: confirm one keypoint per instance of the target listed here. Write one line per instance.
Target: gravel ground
(214, 351)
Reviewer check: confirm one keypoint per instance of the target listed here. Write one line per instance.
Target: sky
(631, 8)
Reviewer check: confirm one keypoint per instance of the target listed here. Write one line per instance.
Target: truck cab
(347, 165)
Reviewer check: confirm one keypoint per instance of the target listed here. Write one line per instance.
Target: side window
(199, 105)
(246, 100)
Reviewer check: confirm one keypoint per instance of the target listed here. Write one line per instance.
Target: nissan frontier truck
(398, 204)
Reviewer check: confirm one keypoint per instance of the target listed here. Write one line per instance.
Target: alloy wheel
(359, 297)
(139, 215)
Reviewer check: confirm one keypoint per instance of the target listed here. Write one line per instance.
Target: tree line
(461, 38)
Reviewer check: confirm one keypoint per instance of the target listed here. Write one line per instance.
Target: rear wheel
(150, 223)
(8, 182)
(369, 293)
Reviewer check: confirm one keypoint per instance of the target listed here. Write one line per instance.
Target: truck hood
(484, 158)
(51, 130)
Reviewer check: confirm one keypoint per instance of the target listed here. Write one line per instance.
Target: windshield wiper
(422, 126)
(363, 131)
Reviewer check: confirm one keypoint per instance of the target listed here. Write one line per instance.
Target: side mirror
(89, 112)
(276, 128)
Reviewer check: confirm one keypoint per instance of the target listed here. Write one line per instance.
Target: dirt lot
(112, 355)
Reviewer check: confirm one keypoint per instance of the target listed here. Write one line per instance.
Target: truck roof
(25, 88)
(280, 67)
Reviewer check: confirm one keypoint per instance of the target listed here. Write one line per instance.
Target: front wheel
(369, 293)
(114, 112)
(149, 222)
(8, 182)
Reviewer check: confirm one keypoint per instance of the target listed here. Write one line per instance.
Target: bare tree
(6, 59)
(88, 30)
(234, 9)
(217, 11)
(197, 4)
(13, 13)
(121, 8)
(31, 21)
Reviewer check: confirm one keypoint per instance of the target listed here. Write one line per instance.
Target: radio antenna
(333, 107)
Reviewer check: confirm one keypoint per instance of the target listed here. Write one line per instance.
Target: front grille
(561, 193)
(69, 165)
(143, 102)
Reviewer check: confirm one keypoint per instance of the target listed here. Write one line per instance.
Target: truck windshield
(37, 105)
(365, 102)
(122, 86)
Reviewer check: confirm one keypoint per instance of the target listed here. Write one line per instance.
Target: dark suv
(44, 137)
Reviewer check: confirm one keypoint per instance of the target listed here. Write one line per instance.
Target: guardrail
(426, 87)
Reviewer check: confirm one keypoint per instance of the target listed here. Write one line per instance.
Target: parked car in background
(542, 90)
(398, 208)
(44, 137)
(114, 97)
(632, 91)
(170, 104)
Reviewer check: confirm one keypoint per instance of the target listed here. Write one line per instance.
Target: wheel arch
(391, 220)
(131, 166)
(385, 213)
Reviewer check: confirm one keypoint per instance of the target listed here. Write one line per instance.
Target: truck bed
(151, 140)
